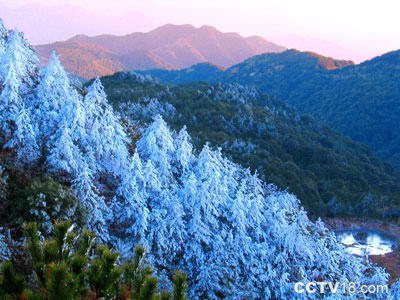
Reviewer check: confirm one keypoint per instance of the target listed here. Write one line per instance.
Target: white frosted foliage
(97, 211)
(63, 155)
(19, 53)
(235, 236)
(157, 145)
(104, 134)
(23, 140)
(56, 101)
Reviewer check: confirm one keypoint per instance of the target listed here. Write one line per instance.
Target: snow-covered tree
(167, 232)
(19, 53)
(157, 145)
(3, 30)
(10, 104)
(56, 102)
(198, 230)
(23, 140)
(151, 180)
(3, 35)
(252, 192)
(98, 213)
(63, 157)
(210, 171)
(103, 131)
(183, 150)
(16, 129)
(130, 212)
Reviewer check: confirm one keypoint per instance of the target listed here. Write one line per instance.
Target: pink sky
(364, 27)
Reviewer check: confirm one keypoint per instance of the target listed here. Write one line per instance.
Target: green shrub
(71, 266)
(40, 200)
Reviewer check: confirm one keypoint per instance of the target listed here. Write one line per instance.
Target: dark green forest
(361, 101)
(331, 174)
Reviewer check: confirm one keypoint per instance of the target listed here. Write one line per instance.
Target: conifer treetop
(21, 54)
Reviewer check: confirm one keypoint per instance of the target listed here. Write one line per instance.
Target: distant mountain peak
(174, 26)
(167, 47)
(78, 37)
(209, 28)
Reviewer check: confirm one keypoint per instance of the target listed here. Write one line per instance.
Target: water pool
(363, 242)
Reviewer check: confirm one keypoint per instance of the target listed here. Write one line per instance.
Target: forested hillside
(202, 72)
(271, 72)
(66, 154)
(329, 173)
(361, 101)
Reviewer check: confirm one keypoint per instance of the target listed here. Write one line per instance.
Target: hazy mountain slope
(329, 173)
(168, 47)
(361, 101)
(86, 59)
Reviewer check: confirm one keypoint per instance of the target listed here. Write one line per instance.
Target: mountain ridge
(359, 100)
(168, 47)
(311, 61)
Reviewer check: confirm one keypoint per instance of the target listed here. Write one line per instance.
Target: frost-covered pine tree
(183, 150)
(104, 133)
(3, 30)
(252, 192)
(58, 117)
(98, 213)
(3, 36)
(210, 171)
(157, 145)
(197, 227)
(16, 129)
(63, 157)
(166, 224)
(202, 202)
(151, 180)
(129, 208)
(10, 104)
(167, 232)
(56, 102)
(19, 53)
(23, 140)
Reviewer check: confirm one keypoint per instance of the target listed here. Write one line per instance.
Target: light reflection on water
(366, 242)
